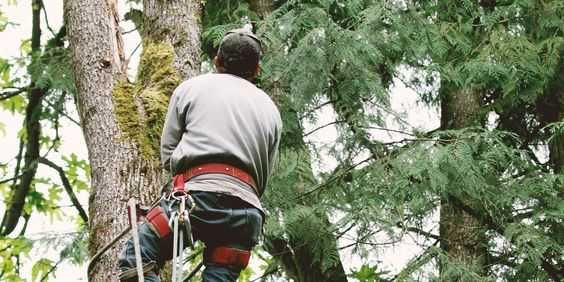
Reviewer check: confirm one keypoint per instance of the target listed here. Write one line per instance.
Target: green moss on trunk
(141, 107)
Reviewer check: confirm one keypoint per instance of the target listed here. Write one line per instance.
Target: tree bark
(122, 122)
(118, 170)
(462, 235)
(176, 23)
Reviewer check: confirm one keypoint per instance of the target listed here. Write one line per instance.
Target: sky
(403, 100)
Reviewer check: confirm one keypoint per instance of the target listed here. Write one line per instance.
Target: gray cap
(239, 52)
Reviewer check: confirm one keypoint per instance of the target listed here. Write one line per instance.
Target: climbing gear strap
(180, 221)
(216, 168)
(132, 207)
(159, 221)
(227, 256)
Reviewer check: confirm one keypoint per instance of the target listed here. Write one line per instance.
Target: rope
(106, 247)
(135, 235)
(97, 256)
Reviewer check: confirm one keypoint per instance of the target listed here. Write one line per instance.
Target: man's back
(221, 118)
(219, 141)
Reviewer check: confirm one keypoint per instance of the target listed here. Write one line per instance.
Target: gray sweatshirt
(221, 118)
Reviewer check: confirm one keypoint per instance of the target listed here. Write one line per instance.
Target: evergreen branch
(416, 263)
(321, 127)
(555, 272)
(391, 130)
(405, 140)
(306, 112)
(420, 232)
(360, 242)
(342, 233)
(270, 270)
(333, 178)
(67, 186)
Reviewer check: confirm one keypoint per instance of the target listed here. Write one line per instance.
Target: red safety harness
(217, 168)
(220, 255)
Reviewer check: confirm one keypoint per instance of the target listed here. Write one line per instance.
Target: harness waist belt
(221, 169)
(227, 256)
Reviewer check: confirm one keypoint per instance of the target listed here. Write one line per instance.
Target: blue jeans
(217, 220)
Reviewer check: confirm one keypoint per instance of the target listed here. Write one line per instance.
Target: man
(220, 136)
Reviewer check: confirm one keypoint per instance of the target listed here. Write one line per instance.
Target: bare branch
(52, 269)
(9, 94)
(416, 263)
(322, 126)
(390, 130)
(62, 113)
(47, 19)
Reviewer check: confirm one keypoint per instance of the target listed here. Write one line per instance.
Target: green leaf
(367, 273)
(40, 268)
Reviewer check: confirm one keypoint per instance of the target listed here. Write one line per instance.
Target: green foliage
(9, 250)
(41, 268)
(346, 55)
(3, 21)
(367, 273)
(77, 172)
(221, 16)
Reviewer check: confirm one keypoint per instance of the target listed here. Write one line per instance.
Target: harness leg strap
(158, 219)
(227, 256)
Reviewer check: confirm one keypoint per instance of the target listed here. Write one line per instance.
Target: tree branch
(416, 263)
(47, 19)
(321, 127)
(9, 94)
(67, 186)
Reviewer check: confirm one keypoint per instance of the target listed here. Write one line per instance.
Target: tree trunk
(551, 109)
(97, 55)
(462, 235)
(176, 23)
(122, 122)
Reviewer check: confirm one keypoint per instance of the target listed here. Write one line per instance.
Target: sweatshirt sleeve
(275, 146)
(173, 129)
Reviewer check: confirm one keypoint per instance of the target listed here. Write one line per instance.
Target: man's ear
(257, 71)
(218, 64)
